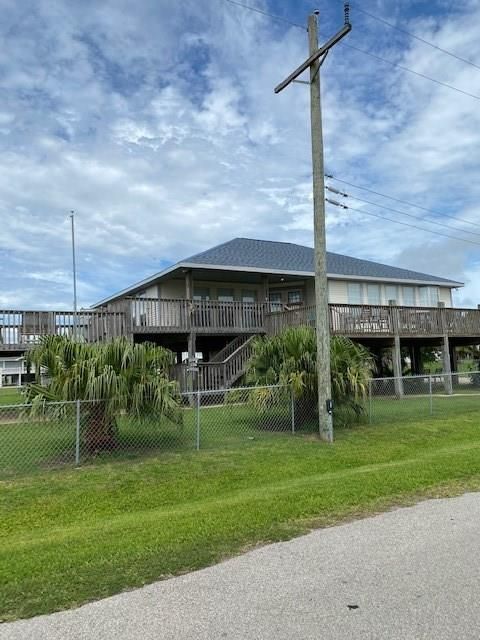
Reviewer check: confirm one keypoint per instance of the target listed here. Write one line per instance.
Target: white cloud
(157, 123)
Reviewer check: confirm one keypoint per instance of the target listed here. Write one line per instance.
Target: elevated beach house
(207, 308)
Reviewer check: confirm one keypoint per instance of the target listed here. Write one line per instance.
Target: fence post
(292, 402)
(431, 394)
(198, 422)
(370, 401)
(77, 434)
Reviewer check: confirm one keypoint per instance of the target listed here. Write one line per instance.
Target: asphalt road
(408, 574)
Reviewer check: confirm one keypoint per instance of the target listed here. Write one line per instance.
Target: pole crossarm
(315, 56)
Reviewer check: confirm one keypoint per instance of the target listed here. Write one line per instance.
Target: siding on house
(338, 291)
(172, 289)
(446, 296)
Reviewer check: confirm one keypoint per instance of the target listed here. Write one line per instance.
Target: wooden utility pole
(314, 62)
(321, 286)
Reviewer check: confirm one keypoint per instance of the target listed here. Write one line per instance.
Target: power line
(410, 204)
(412, 226)
(410, 215)
(416, 73)
(412, 35)
(370, 15)
(367, 53)
(265, 13)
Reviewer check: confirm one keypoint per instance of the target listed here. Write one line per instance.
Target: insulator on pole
(346, 8)
(333, 190)
(337, 204)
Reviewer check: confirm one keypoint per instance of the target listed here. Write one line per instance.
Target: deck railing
(25, 328)
(19, 328)
(381, 320)
(150, 315)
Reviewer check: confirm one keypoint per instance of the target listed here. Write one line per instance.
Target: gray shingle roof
(285, 256)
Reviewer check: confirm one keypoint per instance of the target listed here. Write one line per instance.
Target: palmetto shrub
(290, 359)
(115, 377)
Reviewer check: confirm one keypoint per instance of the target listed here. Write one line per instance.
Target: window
(373, 294)
(225, 295)
(201, 293)
(249, 295)
(408, 296)
(354, 292)
(429, 296)
(391, 293)
(275, 298)
(295, 297)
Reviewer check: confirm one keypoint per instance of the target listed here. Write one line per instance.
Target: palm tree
(116, 378)
(290, 358)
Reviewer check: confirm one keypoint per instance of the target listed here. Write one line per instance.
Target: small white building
(12, 370)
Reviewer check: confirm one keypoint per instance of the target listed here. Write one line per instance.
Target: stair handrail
(234, 365)
(226, 352)
(240, 348)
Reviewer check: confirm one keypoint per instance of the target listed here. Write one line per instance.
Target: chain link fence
(412, 397)
(56, 434)
(230, 416)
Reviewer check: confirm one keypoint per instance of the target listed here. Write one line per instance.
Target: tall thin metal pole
(370, 401)
(292, 408)
(74, 269)
(197, 443)
(77, 434)
(430, 394)
(321, 287)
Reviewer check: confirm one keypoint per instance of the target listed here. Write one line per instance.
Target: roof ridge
(292, 244)
(295, 244)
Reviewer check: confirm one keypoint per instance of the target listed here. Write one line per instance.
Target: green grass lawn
(74, 535)
(10, 395)
(30, 445)
(413, 407)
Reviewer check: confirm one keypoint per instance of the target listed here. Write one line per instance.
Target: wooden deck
(384, 321)
(19, 329)
(150, 315)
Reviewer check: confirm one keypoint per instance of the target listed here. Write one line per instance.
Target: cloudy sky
(157, 123)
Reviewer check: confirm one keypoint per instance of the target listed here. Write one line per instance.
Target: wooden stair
(215, 375)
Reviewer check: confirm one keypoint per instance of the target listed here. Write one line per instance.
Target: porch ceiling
(220, 275)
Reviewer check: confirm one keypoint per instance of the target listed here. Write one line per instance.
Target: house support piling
(447, 365)
(453, 358)
(397, 366)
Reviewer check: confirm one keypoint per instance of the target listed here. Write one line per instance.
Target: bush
(290, 358)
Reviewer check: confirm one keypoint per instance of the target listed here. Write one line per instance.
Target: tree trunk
(101, 432)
